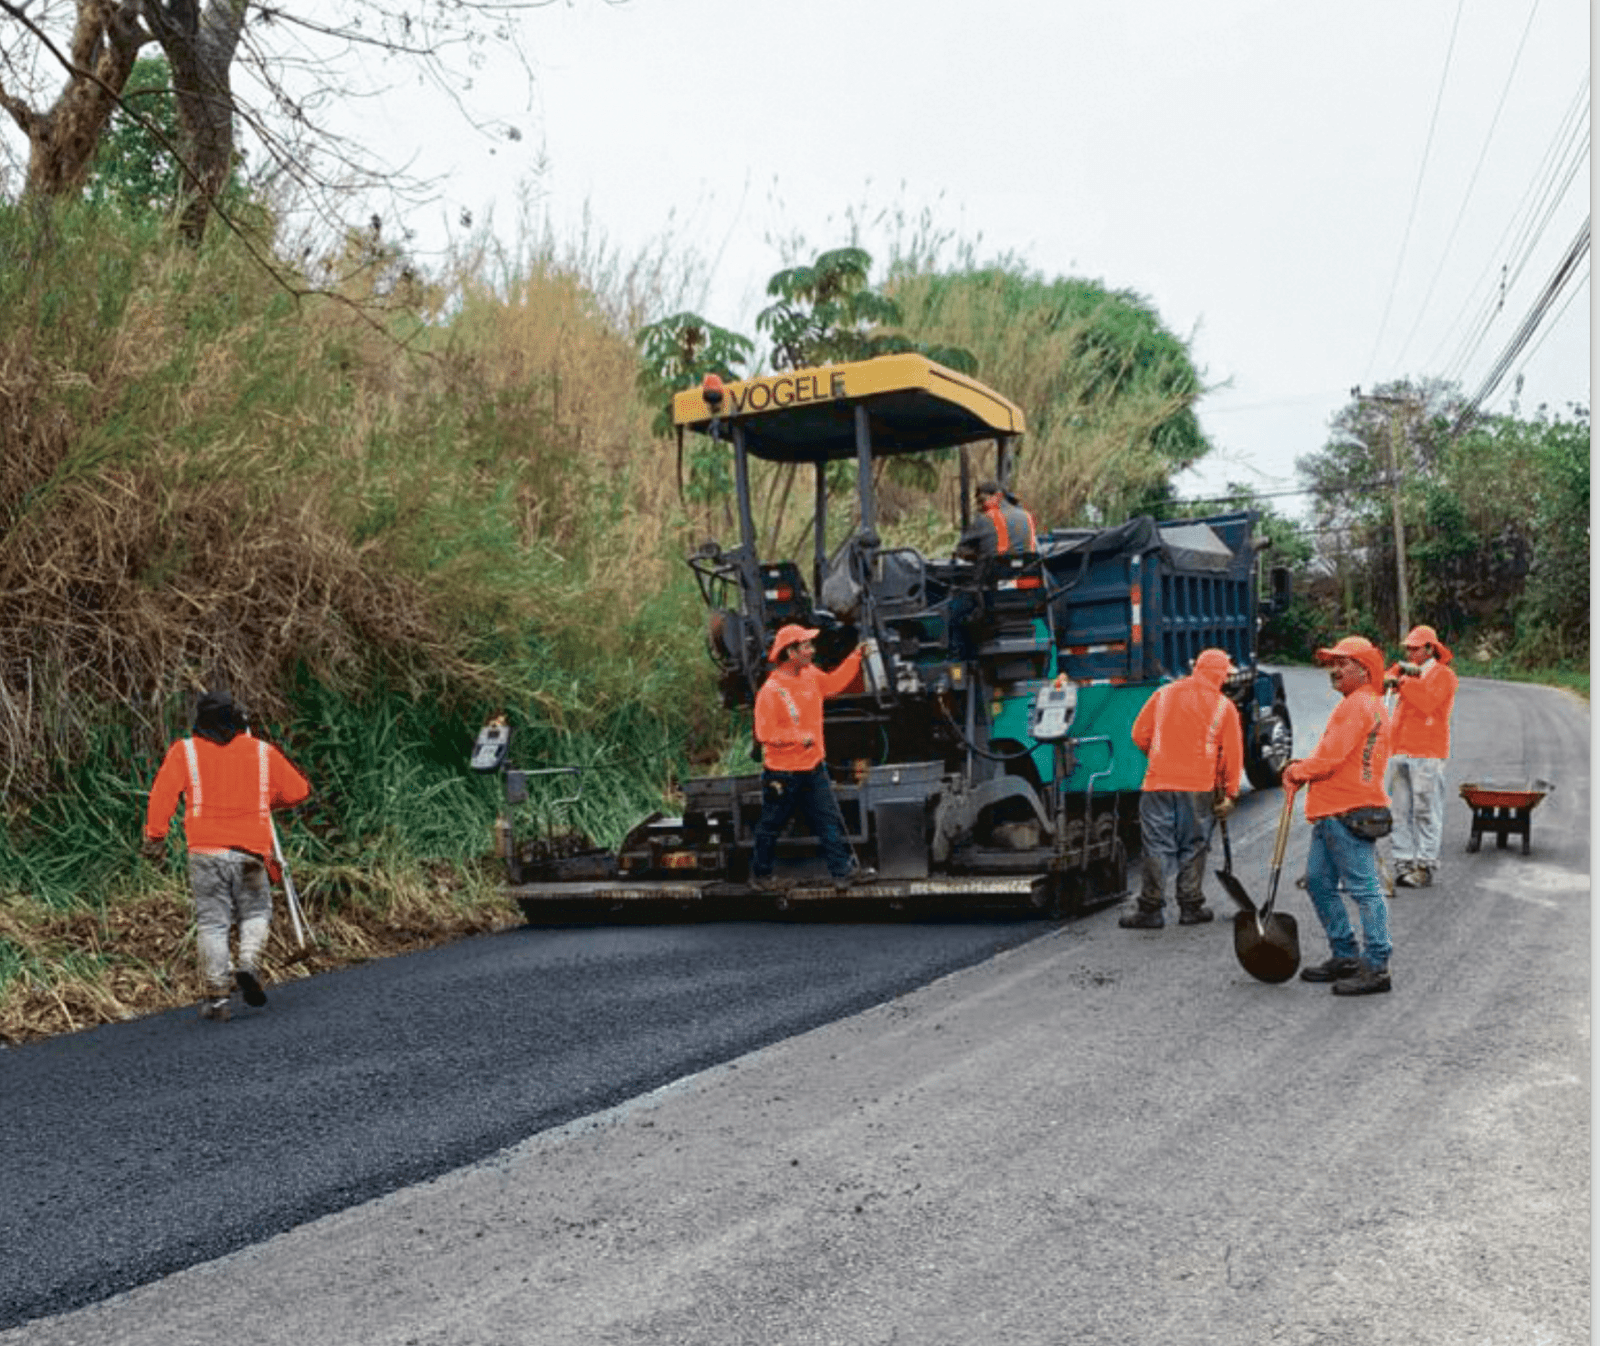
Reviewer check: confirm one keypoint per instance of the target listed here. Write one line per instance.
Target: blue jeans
(1340, 859)
(1416, 790)
(811, 794)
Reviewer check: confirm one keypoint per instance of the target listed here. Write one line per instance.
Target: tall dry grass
(1107, 393)
(205, 480)
(376, 524)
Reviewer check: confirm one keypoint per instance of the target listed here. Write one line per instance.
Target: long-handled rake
(303, 935)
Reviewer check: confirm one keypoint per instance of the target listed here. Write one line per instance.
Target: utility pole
(1394, 404)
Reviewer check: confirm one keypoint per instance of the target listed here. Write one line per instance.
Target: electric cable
(1472, 182)
(1515, 273)
(1575, 253)
(1577, 116)
(1416, 194)
(1555, 321)
(1562, 163)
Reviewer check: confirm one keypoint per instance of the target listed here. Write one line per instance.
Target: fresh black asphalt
(134, 1150)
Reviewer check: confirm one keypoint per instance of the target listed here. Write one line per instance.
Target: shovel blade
(1234, 889)
(1267, 948)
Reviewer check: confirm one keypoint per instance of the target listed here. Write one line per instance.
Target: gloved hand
(1292, 777)
(1221, 808)
(1390, 682)
(1410, 670)
(154, 849)
(868, 646)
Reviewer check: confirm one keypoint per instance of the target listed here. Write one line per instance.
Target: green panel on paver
(1103, 709)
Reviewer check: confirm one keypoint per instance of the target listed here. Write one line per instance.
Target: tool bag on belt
(1369, 823)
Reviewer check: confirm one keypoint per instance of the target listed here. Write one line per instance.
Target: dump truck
(982, 755)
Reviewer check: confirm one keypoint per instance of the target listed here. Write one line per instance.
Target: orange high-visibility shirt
(789, 709)
(229, 791)
(1346, 770)
(1183, 729)
(1421, 725)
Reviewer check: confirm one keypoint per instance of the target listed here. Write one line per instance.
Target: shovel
(1225, 875)
(1266, 942)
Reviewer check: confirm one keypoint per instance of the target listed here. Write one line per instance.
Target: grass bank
(378, 522)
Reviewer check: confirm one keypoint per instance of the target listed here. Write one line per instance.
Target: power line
(1555, 322)
(1461, 211)
(1575, 253)
(1566, 156)
(1416, 194)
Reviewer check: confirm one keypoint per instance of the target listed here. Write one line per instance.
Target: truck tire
(1271, 747)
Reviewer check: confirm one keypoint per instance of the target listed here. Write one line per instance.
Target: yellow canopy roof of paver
(807, 415)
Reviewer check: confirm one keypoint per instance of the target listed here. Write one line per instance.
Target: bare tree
(63, 66)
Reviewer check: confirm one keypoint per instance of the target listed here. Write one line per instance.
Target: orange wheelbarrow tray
(1503, 809)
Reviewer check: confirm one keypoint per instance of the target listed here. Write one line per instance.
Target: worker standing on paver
(230, 783)
(1190, 732)
(794, 775)
(1348, 811)
(1424, 685)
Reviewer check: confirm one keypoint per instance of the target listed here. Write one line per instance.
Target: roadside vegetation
(383, 505)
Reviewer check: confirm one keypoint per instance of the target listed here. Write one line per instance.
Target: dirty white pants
(1416, 797)
(228, 890)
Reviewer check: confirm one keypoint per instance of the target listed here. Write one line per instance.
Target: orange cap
(787, 636)
(1426, 635)
(1360, 649)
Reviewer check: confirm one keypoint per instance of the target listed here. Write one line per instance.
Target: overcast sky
(1316, 195)
(1319, 196)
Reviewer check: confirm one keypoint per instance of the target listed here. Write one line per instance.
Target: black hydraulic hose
(973, 748)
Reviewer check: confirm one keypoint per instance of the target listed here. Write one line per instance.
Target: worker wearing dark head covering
(218, 719)
(230, 783)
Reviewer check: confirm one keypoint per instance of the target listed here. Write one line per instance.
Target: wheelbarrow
(1502, 809)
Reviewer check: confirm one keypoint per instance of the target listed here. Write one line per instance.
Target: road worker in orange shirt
(1424, 685)
(230, 783)
(794, 776)
(1348, 811)
(1190, 732)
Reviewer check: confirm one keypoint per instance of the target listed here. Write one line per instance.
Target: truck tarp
(1185, 547)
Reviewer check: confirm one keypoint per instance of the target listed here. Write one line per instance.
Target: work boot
(1335, 969)
(215, 1007)
(250, 985)
(1196, 915)
(768, 883)
(856, 877)
(1417, 876)
(1368, 981)
(1142, 918)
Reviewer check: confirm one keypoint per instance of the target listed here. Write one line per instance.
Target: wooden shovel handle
(1284, 820)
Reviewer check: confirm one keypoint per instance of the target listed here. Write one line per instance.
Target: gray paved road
(1099, 1136)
